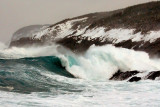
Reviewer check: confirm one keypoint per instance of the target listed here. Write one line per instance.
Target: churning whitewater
(97, 63)
(105, 59)
(52, 74)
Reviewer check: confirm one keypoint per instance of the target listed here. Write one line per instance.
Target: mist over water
(2, 46)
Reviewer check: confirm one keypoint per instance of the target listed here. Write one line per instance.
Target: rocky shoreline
(131, 76)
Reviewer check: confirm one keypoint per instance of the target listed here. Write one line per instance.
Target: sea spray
(34, 51)
(2, 46)
(100, 63)
(97, 63)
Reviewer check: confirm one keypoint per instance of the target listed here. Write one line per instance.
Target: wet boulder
(134, 79)
(119, 75)
(153, 75)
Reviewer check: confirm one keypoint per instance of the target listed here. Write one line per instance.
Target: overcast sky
(15, 14)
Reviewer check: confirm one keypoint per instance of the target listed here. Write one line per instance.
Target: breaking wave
(37, 68)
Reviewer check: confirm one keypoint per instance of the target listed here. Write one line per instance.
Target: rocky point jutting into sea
(135, 28)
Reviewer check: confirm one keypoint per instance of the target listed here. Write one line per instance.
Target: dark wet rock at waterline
(134, 79)
(131, 76)
(153, 75)
(123, 75)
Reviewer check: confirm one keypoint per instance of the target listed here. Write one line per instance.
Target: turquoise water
(30, 74)
(43, 82)
(47, 79)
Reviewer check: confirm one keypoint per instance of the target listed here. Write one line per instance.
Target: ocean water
(53, 76)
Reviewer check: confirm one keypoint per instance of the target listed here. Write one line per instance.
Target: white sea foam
(21, 52)
(98, 63)
(110, 94)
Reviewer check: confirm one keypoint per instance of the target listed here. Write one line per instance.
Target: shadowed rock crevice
(77, 45)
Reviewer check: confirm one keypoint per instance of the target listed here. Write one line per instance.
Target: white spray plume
(102, 62)
(2, 46)
(98, 63)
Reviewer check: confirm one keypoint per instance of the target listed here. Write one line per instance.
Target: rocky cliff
(136, 27)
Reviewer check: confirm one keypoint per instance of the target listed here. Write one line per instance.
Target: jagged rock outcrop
(153, 75)
(131, 76)
(134, 79)
(123, 75)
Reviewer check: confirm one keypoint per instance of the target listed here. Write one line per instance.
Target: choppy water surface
(39, 77)
(83, 93)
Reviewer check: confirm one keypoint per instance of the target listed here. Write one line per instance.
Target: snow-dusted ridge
(114, 35)
(62, 29)
(136, 27)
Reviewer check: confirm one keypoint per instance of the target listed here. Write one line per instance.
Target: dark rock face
(153, 75)
(151, 48)
(134, 79)
(71, 43)
(143, 18)
(123, 75)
